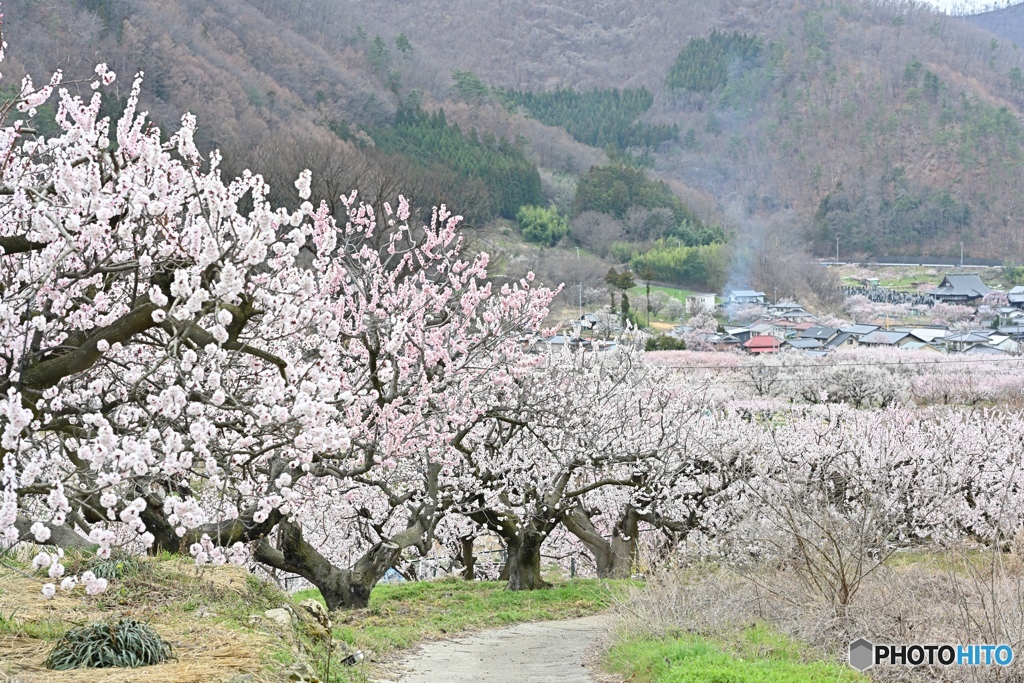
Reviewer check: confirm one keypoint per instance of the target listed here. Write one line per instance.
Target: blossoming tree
(183, 374)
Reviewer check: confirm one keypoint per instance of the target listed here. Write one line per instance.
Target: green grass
(42, 629)
(638, 293)
(757, 655)
(402, 615)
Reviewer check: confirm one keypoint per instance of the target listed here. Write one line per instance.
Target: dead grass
(954, 596)
(202, 615)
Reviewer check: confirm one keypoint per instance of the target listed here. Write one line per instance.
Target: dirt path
(545, 652)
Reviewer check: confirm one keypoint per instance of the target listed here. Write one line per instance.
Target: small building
(964, 341)
(1013, 331)
(884, 338)
(741, 333)
(745, 296)
(781, 307)
(1016, 296)
(820, 333)
(769, 329)
(860, 330)
(797, 315)
(960, 288)
(843, 340)
(930, 335)
(704, 302)
(761, 344)
(803, 344)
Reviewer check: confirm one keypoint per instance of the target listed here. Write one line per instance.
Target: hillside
(1006, 23)
(893, 126)
(888, 123)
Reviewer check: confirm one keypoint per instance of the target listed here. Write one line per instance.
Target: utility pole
(961, 257)
(837, 250)
(581, 287)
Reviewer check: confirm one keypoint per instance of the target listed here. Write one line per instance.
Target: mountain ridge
(888, 123)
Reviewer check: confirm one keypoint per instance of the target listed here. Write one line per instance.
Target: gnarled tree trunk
(615, 557)
(522, 567)
(340, 588)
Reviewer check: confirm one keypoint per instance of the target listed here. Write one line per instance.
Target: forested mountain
(886, 123)
(1006, 23)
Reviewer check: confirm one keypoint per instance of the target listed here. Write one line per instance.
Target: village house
(964, 341)
(885, 338)
(859, 331)
(780, 307)
(843, 340)
(1016, 296)
(739, 332)
(960, 288)
(931, 335)
(745, 296)
(696, 302)
(819, 333)
(770, 329)
(802, 344)
(761, 344)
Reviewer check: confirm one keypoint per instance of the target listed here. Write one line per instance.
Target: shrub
(663, 342)
(543, 226)
(127, 643)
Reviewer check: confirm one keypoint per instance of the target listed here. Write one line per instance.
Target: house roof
(804, 343)
(860, 330)
(761, 342)
(745, 293)
(919, 346)
(971, 337)
(819, 332)
(883, 338)
(929, 334)
(803, 326)
(1016, 295)
(1012, 330)
(839, 339)
(961, 284)
(796, 313)
(984, 350)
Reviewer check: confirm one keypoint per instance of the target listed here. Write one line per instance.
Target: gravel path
(545, 652)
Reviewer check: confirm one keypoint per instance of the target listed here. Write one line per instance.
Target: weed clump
(127, 643)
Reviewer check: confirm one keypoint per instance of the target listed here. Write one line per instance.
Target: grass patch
(756, 655)
(674, 292)
(402, 615)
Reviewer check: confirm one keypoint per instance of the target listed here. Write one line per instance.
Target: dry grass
(199, 614)
(952, 596)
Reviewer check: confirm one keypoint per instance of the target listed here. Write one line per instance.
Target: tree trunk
(340, 588)
(523, 564)
(468, 561)
(63, 536)
(614, 558)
